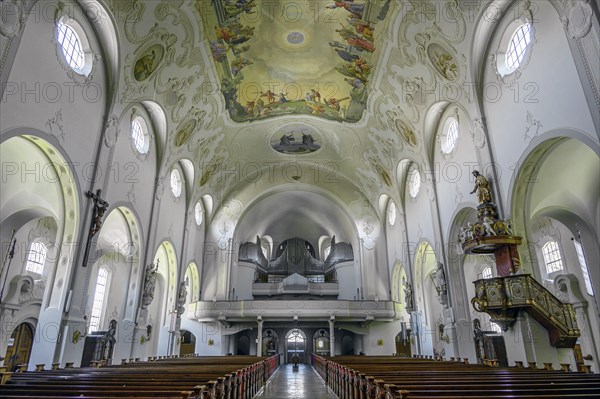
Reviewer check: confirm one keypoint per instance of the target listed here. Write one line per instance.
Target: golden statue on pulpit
(482, 188)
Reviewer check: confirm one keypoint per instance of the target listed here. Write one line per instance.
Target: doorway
(295, 341)
(19, 346)
(188, 343)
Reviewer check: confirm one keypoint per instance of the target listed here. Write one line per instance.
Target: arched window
(450, 136)
(99, 296)
(198, 213)
(584, 269)
(552, 257)
(392, 213)
(486, 272)
(176, 183)
(518, 46)
(414, 183)
(36, 258)
(139, 132)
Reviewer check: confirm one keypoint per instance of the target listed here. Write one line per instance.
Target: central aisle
(303, 384)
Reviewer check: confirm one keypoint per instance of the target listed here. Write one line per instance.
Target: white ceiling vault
(415, 51)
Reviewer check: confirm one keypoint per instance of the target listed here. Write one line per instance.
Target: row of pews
(392, 377)
(189, 377)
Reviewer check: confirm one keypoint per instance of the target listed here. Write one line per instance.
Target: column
(259, 339)
(331, 336)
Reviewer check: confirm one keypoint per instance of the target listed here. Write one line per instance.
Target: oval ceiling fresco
(317, 62)
(297, 139)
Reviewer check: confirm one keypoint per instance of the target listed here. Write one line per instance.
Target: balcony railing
(503, 297)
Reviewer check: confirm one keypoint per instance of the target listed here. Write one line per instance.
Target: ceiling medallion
(406, 131)
(147, 62)
(295, 37)
(295, 139)
(443, 62)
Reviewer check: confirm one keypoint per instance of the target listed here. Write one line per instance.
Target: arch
(164, 303)
(347, 345)
(187, 345)
(383, 202)
(243, 345)
(266, 242)
(188, 171)
(192, 281)
(270, 342)
(207, 199)
(52, 191)
(19, 351)
(529, 199)
(115, 265)
(324, 246)
(556, 189)
(429, 310)
(295, 345)
(398, 285)
(321, 342)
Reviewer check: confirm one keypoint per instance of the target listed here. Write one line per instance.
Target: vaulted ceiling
(234, 79)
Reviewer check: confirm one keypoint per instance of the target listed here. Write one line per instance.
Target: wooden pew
(229, 377)
(381, 377)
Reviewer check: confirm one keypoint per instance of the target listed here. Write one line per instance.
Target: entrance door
(295, 346)
(19, 346)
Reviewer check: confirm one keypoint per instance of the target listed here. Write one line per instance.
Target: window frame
(445, 134)
(143, 134)
(392, 213)
(198, 213)
(505, 74)
(548, 262)
(176, 191)
(38, 265)
(414, 171)
(515, 49)
(79, 74)
(102, 309)
(585, 271)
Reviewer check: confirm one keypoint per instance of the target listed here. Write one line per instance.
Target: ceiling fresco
(308, 57)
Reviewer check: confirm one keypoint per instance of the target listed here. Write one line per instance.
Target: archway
(321, 342)
(19, 346)
(428, 302)
(554, 209)
(161, 311)
(192, 282)
(270, 342)
(243, 345)
(41, 207)
(295, 345)
(187, 344)
(347, 345)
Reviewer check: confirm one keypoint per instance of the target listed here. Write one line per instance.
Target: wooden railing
(503, 297)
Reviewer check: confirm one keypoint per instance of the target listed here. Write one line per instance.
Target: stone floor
(302, 384)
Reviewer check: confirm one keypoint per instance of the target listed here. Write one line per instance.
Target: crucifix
(100, 206)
